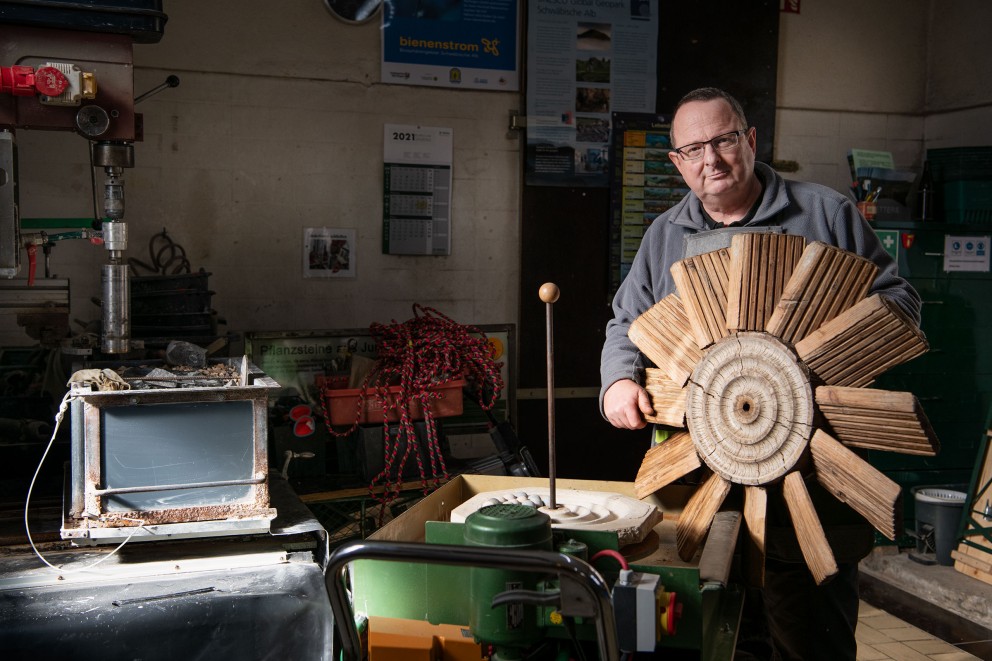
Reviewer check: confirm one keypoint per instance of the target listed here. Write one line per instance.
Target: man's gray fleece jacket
(810, 210)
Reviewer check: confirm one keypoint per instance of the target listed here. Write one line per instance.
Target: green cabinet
(953, 381)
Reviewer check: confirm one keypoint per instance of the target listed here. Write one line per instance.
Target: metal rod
(549, 294)
(583, 589)
(171, 81)
(176, 487)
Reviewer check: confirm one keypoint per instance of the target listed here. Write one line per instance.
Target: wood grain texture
(667, 399)
(663, 334)
(825, 282)
(697, 515)
(702, 285)
(760, 265)
(854, 481)
(812, 540)
(864, 341)
(666, 462)
(877, 420)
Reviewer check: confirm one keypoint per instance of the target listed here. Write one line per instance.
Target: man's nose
(710, 154)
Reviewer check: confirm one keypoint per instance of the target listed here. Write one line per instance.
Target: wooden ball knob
(549, 292)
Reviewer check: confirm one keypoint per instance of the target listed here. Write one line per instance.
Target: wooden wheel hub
(749, 408)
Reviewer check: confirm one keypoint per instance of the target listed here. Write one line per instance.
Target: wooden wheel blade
(667, 399)
(755, 506)
(717, 557)
(663, 334)
(702, 284)
(812, 540)
(695, 519)
(760, 265)
(859, 344)
(854, 481)
(825, 282)
(665, 463)
(878, 420)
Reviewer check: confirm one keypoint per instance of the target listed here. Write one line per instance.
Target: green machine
(524, 590)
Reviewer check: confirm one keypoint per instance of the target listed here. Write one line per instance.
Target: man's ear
(752, 138)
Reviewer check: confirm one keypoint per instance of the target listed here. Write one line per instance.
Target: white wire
(63, 406)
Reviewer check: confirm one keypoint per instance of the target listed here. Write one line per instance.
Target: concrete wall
(959, 80)
(895, 75)
(277, 126)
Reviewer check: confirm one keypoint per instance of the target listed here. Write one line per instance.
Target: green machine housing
(710, 605)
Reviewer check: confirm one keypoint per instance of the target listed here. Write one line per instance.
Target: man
(715, 154)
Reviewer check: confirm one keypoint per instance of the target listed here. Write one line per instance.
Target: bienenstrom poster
(470, 44)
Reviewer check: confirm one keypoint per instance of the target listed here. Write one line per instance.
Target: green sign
(890, 241)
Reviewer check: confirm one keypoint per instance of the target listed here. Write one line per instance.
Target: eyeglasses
(725, 142)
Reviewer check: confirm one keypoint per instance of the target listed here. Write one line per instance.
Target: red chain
(418, 355)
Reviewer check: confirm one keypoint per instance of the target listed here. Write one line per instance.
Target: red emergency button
(50, 81)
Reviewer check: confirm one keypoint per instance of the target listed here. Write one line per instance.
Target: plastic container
(342, 404)
(938, 518)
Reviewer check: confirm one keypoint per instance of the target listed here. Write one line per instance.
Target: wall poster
(470, 44)
(585, 60)
(328, 253)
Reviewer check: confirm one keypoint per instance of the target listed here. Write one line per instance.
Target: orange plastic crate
(342, 404)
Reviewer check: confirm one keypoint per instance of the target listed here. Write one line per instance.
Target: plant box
(342, 404)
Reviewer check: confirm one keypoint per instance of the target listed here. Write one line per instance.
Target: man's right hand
(625, 405)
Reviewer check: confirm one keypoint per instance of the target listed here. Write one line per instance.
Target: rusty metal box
(170, 459)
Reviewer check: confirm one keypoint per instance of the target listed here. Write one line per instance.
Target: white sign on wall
(966, 253)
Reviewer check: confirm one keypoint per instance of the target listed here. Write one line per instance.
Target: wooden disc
(749, 408)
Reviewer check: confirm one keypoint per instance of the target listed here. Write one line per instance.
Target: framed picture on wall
(328, 253)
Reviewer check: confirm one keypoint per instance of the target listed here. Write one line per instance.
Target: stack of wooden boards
(973, 556)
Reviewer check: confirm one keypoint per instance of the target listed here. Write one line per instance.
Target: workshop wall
(277, 126)
(896, 75)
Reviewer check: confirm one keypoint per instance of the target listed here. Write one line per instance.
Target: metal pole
(549, 293)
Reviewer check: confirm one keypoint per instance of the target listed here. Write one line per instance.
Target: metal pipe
(549, 293)
(175, 487)
(583, 589)
(116, 309)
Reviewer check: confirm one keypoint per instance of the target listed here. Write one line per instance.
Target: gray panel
(180, 443)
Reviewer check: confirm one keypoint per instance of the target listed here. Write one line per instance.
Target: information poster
(470, 44)
(585, 61)
(643, 183)
(416, 216)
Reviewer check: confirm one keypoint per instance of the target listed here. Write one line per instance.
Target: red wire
(610, 553)
(426, 351)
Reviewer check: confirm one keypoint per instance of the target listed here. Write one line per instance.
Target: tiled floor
(882, 637)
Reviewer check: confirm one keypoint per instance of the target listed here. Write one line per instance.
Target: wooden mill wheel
(759, 339)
